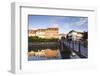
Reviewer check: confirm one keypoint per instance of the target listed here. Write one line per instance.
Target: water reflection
(44, 54)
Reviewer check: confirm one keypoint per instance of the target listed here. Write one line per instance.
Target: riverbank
(42, 43)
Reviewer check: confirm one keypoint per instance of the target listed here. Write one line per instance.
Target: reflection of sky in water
(45, 54)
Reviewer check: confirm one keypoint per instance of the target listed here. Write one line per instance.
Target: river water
(43, 52)
(48, 52)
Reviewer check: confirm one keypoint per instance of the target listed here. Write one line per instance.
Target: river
(47, 51)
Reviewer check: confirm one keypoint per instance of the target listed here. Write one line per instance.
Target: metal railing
(79, 47)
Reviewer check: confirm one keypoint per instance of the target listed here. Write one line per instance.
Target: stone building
(44, 33)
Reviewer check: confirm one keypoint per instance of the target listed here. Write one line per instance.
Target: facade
(74, 35)
(44, 33)
(31, 33)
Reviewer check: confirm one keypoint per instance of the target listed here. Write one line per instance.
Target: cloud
(30, 27)
(54, 25)
(35, 27)
(56, 19)
(80, 22)
(79, 25)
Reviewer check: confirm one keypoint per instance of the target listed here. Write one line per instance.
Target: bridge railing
(78, 46)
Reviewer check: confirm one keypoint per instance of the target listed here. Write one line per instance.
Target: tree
(62, 38)
(85, 35)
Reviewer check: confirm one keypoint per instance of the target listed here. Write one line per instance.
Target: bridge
(78, 48)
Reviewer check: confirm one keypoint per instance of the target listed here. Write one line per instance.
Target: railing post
(69, 44)
(79, 48)
(73, 45)
(61, 45)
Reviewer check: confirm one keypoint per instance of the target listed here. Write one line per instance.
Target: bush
(38, 39)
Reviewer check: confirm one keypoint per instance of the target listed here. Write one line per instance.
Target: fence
(79, 47)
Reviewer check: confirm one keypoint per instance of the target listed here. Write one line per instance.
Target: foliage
(38, 39)
(85, 35)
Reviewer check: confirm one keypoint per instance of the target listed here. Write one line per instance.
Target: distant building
(74, 35)
(44, 33)
(31, 32)
(62, 35)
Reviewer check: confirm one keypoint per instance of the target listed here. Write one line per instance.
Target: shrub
(38, 39)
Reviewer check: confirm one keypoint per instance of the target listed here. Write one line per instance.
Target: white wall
(5, 42)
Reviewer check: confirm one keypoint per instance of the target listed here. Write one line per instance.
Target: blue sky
(64, 23)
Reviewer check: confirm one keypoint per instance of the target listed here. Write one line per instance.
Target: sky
(64, 23)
